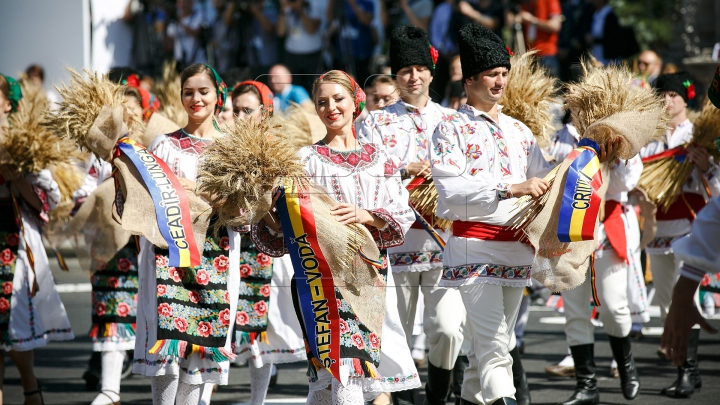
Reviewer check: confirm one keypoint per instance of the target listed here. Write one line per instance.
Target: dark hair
(380, 79)
(35, 70)
(133, 92)
(457, 89)
(119, 73)
(196, 69)
(246, 88)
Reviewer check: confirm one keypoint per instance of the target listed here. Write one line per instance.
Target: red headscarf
(149, 102)
(266, 96)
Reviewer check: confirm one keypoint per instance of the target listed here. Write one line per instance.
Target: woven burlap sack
(138, 212)
(157, 125)
(559, 266)
(104, 237)
(105, 131)
(360, 284)
(635, 128)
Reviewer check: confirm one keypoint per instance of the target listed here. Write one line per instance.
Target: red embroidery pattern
(188, 144)
(355, 160)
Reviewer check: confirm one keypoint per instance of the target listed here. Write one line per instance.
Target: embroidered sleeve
(267, 241)
(503, 191)
(391, 234)
(47, 191)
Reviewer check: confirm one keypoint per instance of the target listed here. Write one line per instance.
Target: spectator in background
(261, 47)
(488, 13)
(186, 32)
(380, 65)
(571, 41)
(649, 67)
(147, 19)
(455, 74)
(286, 92)
(36, 74)
(458, 95)
(609, 42)
(224, 35)
(351, 22)
(445, 23)
(415, 12)
(541, 21)
(301, 23)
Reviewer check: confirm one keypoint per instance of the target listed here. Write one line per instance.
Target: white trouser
(444, 317)
(491, 314)
(664, 273)
(611, 283)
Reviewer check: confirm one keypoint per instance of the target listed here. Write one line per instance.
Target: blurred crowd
(299, 39)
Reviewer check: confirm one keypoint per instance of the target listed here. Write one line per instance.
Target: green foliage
(651, 19)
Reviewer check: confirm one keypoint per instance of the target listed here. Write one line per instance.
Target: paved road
(60, 365)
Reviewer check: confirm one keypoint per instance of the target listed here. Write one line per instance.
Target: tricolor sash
(580, 198)
(314, 280)
(172, 208)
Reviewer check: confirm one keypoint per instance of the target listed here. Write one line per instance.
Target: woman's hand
(419, 169)
(608, 151)
(188, 185)
(350, 214)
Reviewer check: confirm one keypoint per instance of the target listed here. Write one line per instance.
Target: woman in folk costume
(267, 330)
(675, 221)
(31, 312)
(364, 180)
(186, 314)
(114, 279)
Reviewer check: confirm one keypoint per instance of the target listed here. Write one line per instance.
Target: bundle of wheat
(169, 92)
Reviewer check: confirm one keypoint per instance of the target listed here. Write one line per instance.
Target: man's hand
(419, 169)
(682, 316)
(606, 151)
(534, 187)
(700, 157)
(527, 18)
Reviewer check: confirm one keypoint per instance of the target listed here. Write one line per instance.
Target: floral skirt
(114, 300)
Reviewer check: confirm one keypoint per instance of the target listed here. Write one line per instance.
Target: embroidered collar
(474, 112)
(350, 160)
(188, 143)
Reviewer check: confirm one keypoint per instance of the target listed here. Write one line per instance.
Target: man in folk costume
(482, 161)
(676, 222)
(405, 128)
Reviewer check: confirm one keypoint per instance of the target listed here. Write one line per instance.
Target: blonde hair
(333, 76)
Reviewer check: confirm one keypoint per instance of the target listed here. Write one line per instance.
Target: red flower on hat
(434, 54)
(690, 89)
(510, 52)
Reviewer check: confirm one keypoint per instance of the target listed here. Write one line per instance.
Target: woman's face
(226, 115)
(247, 105)
(382, 95)
(199, 97)
(334, 106)
(132, 103)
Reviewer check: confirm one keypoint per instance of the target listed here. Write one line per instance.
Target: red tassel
(93, 332)
(357, 366)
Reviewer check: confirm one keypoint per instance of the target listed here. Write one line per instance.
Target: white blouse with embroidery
(474, 162)
(670, 230)
(405, 131)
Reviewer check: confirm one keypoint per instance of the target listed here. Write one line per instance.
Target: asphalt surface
(60, 365)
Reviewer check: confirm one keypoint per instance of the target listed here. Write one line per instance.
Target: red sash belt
(479, 230)
(681, 208)
(428, 218)
(615, 228)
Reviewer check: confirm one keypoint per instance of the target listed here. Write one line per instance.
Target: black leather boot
(622, 352)
(93, 372)
(688, 378)
(437, 387)
(522, 391)
(458, 376)
(586, 392)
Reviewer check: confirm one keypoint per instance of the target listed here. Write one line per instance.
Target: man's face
(279, 78)
(414, 80)
(488, 86)
(648, 63)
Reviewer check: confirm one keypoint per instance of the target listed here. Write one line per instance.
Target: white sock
(350, 394)
(164, 389)
(320, 397)
(207, 394)
(259, 381)
(189, 394)
(112, 363)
